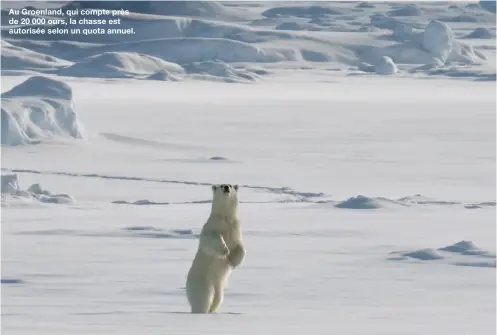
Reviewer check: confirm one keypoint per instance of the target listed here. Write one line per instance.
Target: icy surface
(363, 197)
(12, 194)
(40, 108)
(438, 39)
(285, 37)
(385, 66)
(120, 65)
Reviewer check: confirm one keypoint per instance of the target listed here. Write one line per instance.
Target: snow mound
(463, 253)
(212, 9)
(163, 75)
(422, 200)
(481, 205)
(385, 66)
(11, 189)
(481, 33)
(435, 46)
(299, 11)
(198, 49)
(18, 58)
(39, 108)
(486, 264)
(10, 183)
(400, 31)
(120, 65)
(488, 5)
(289, 26)
(365, 5)
(43, 87)
(409, 10)
(466, 248)
(437, 40)
(315, 56)
(219, 70)
(460, 18)
(427, 254)
(359, 202)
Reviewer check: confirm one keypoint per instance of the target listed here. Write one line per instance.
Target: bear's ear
(214, 188)
(235, 187)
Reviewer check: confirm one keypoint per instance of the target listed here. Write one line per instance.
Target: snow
(483, 33)
(438, 40)
(409, 10)
(40, 108)
(221, 71)
(12, 191)
(488, 5)
(120, 65)
(385, 66)
(471, 255)
(359, 202)
(367, 191)
(17, 58)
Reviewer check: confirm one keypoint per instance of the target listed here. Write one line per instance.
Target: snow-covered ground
(362, 136)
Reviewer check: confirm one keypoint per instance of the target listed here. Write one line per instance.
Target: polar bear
(220, 250)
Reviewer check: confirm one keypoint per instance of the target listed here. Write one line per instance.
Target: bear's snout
(226, 189)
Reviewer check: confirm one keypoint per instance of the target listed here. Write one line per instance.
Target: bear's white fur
(220, 249)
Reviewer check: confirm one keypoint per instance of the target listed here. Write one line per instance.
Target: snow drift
(481, 33)
(437, 40)
(385, 66)
(37, 109)
(11, 189)
(409, 10)
(213, 9)
(359, 202)
(190, 50)
(120, 65)
(488, 5)
(299, 11)
(466, 248)
(436, 45)
(18, 58)
(221, 71)
(462, 253)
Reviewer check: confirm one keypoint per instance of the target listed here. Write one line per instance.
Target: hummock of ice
(173, 35)
(37, 109)
(409, 10)
(438, 39)
(120, 65)
(212, 9)
(18, 58)
(481, 33)
(434, 46)
(385, 66)
(10, 188)
(488, 5)
(299, 11)
(359, 202)
(466, 248)
(423, 254)
(221, 71)
(462, 253)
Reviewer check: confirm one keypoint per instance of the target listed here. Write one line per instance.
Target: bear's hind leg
(200, 298)
(217, 300)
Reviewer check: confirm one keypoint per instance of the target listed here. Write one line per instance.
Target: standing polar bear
(220, 249)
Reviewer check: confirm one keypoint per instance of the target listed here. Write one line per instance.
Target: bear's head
(225, 200)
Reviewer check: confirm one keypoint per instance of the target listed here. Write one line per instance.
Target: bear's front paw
(225, 252)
